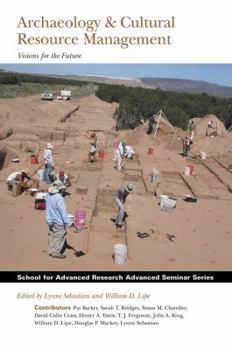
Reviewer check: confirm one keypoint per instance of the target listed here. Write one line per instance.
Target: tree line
(13, 78)
(136, 103)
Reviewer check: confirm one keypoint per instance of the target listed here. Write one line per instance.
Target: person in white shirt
(48, 163)
(63, 178)
(13, 177)
(22, 179)
(119, 154)
(118, 160)
(129, 152)
(209, 127)
(92, 152)
(121, 148)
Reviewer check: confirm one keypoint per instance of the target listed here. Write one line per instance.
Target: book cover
(115, 174)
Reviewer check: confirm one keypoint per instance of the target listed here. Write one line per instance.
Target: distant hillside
(132, 82)
(165, 84)
(188, 86)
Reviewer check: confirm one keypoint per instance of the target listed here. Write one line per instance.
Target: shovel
(76, 253)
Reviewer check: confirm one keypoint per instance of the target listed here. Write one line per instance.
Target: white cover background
(202, 34)
(207, 324)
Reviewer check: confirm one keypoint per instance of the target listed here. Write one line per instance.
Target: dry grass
(26, 89)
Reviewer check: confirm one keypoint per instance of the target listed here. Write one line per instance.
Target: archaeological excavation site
(192, 235)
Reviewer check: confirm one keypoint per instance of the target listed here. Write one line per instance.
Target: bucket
(80, 218)
(150, 150)
(34, 159)
(115, 144)
(163, 198)
(169, 204)
(186, 171)
(120, 253)
(203, 155)
(101, 154)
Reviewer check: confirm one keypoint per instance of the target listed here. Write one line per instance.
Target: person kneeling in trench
(22, 180)
(57, 219)
(119, 198)
(129, 152)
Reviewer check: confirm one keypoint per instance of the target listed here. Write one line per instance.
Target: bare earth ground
(202, 235)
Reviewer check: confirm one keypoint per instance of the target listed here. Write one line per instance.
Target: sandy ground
(195, 236)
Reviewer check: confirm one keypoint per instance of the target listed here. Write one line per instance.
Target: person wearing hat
(48, 163)
(94, 139)
(63, 178)
(57, 219)
(22, 179)
(119, 198)
(92, 152)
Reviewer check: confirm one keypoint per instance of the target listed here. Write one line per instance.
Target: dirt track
(202, 231)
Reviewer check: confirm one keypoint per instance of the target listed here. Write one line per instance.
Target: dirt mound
(217, 127)
(214, 145)
(138, 136)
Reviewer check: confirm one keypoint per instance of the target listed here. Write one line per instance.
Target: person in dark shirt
(151, 124)
(186, 147)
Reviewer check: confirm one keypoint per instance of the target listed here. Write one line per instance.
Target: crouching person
(119, 198)
(22, 180)
(57, 220)
(129, 152)
(63, 178)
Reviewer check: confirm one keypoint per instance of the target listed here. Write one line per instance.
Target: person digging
(22, 180)
(119, 199)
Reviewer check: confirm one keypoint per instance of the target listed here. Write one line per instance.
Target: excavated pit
(202, 229)
(2, 158)
(174, 184)
(104, 201)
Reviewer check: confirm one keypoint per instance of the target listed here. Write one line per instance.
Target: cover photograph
(116, 173)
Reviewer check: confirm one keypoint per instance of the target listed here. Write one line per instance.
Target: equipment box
(40, 203)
